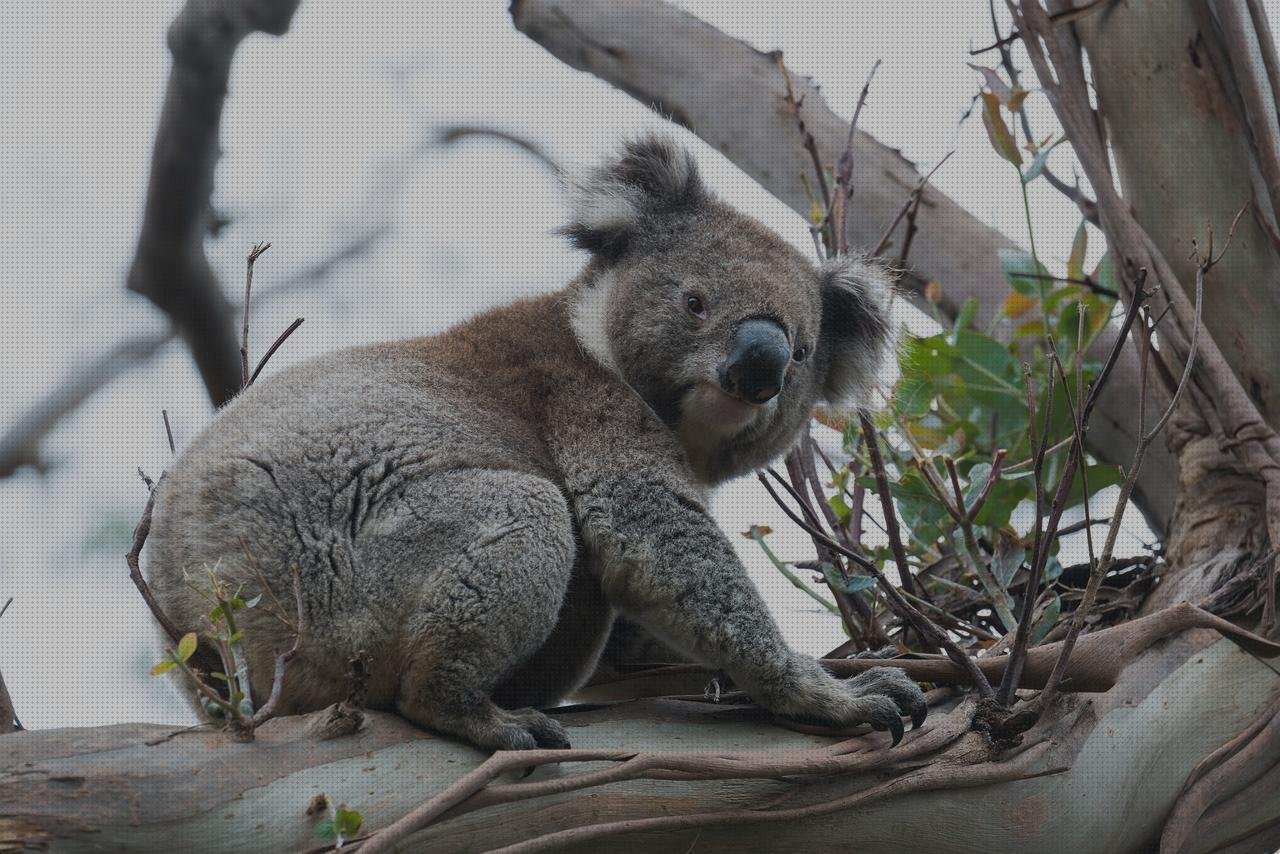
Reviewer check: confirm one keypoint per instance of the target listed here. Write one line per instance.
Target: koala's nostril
(766, 394)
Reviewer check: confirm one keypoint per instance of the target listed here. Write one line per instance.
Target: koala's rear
(469, 512)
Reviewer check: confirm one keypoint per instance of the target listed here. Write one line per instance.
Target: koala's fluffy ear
(855, 327)
(651, 177)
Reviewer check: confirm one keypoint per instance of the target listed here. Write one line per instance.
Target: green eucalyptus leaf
(1048, 618)
(187, 646)
(346, 822)
(1079, 248)
(997, 131)
(1006, 562)
(1022, 272)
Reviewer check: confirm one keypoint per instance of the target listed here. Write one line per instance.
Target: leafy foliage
(959, 435)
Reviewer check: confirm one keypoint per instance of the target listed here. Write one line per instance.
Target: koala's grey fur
(470, 511)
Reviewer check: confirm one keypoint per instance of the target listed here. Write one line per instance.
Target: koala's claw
(543, 731)
(895, 684)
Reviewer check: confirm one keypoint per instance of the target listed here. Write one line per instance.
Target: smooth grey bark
(1128, 751)
(1191, 125)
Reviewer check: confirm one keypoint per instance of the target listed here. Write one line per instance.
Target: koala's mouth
(711, 407)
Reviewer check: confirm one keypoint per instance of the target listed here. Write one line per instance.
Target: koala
(470, 512)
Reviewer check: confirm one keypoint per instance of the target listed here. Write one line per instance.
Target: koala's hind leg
(501, 549)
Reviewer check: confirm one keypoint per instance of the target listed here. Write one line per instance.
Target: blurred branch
(456, 133)
(170, 267)
(20, 445)
(8, 717)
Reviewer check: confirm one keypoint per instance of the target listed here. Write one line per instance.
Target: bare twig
(1103, 565)
(456, 133)
(168, 430)
(806, 136)
(254, 254)
(908, 207)
(268, 709)
(8, 717)
(838, 215)
(140, 532)
(1022, 636)
(271, 351)
(892, 528)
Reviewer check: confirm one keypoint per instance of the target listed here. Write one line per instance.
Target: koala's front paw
(879, 697)
(895, 684)
(536, 730)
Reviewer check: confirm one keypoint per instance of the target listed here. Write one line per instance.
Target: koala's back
(325, 466)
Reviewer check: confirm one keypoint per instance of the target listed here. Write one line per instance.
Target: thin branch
(271, 351)
(254, 254)
(8, 717)
(838, 215)
(891, 525)
(1104, 564)
(912, 202)
(140, 532)
(1022, 636)
(455, 133)
(168, 430)
(268, 709)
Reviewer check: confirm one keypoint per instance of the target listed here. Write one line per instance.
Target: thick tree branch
(170, 267)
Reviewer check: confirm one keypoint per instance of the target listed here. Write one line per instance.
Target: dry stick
(8, 717)
(837, 216)
(848, 535)
(140, 532)
(1103, 565)
(913, 199)
(168, 430)
(845, 603)
(891, 525)
(284, 336)
(1022, 636)
(268, 709)
(905, 611)
(971, 554)
(810, 144)
(254, 254)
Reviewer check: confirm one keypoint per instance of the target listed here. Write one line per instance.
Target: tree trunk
(1098, 775)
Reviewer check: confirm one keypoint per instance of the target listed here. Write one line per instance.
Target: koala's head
(725, 330)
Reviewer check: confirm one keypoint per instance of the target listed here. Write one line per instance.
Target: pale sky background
(324, 139)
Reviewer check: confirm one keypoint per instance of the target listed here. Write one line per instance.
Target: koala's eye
(800, 354)
(693, 303)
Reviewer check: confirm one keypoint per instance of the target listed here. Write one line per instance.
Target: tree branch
(170, 267)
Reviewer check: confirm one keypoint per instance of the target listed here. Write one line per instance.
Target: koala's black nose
(757, 362)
